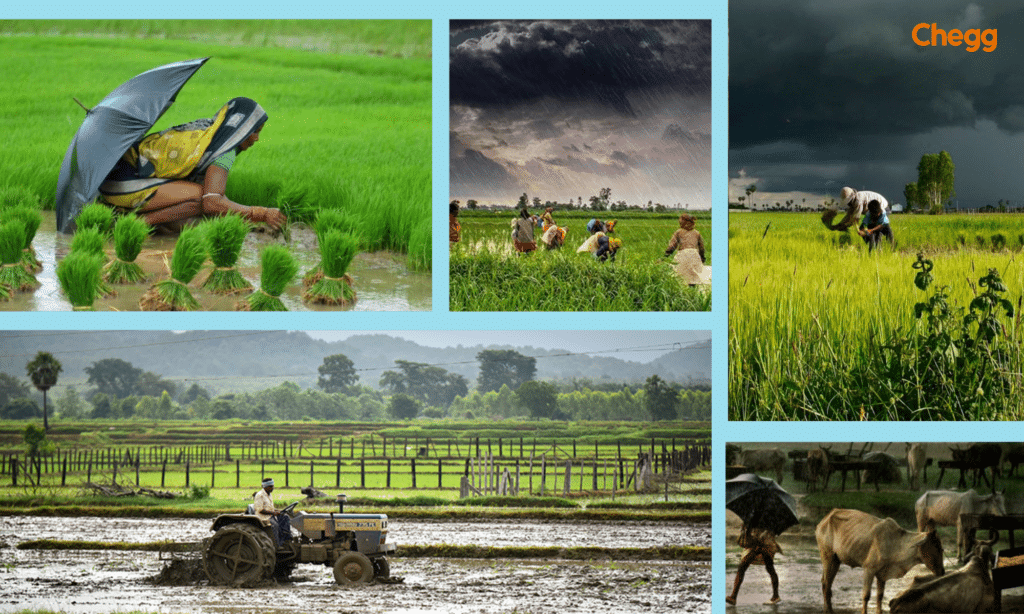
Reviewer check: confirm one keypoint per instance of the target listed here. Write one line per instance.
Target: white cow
(943, 508)
(916, 459)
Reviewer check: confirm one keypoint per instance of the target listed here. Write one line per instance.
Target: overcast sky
(828, 94)
(561, 109)
(575, 341)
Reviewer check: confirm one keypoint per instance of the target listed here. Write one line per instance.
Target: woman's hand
(275, 219)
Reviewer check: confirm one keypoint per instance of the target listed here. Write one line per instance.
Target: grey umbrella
(760, 502)
(123, 117)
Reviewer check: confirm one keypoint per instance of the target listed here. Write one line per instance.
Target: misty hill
(223, 360)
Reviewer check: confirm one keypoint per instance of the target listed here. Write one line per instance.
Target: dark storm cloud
(589, 165)
(813, 73)
(512, 62)
(544, 129)
(470, 166)
(624, 158)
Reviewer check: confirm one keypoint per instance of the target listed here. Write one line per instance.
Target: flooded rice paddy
(107, 581)
(382, 280)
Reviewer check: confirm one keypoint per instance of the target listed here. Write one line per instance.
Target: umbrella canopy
(123, 117)
(760, 502)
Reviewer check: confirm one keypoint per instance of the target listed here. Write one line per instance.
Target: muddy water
(799, 569)
(101, 582)
(382, 280)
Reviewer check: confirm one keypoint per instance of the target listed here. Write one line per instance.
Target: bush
(199, 492)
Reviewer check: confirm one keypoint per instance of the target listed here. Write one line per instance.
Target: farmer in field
(454, 227)
(263, 503)
(856, 204)
(553, 237)
(546, 218)
(595, 225)
(522, 232)
(176, 177)
(875, 225)
(688, 246)
(761, 548)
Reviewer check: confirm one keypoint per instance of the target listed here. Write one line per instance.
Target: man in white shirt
(263, 503)
(856, 204)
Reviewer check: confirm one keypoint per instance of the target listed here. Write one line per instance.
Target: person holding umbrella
(766, 510)
(177, 176)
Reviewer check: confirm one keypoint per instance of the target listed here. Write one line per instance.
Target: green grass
(486, 275)
(821, 329)
(349, 104)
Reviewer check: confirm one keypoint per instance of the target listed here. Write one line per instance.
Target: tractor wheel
(239, 555)
(353, 568)
(381, 567)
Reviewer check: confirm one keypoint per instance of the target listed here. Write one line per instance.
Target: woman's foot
(774, 600)
(730, 600)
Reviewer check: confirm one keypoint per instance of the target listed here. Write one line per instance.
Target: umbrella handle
(87, 109)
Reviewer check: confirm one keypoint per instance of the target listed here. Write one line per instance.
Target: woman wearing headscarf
(176, 176)
(522, 232)
(688, 246)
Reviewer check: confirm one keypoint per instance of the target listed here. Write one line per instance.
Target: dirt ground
(107, 581)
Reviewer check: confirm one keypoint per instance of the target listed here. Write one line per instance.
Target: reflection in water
(382, 280)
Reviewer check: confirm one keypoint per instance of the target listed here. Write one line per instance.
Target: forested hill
(296, 356)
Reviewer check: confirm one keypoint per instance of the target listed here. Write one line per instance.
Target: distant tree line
(602, 201)
(506, 387)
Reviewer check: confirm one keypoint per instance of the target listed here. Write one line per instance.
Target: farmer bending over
(263, 503)
(856, 204)
(874, 226)
(176, 177)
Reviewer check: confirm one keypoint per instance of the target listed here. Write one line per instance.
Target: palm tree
(43, 369)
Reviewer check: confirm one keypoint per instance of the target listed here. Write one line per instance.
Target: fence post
(543, 473)
(310, 473)
(568, 477)
(286, 484)
(439, 473)
(64, 472)
(362, 472)
(413, 459)
(238, 473)
(387, 484)
(187, 476)
(213, 473)
(14, 471)
(595, 474)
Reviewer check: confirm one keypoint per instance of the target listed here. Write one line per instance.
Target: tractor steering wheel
(288, 510)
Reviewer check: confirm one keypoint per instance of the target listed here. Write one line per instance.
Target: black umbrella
(123, 117)
(760, 502)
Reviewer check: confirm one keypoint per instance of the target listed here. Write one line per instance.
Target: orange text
(974, 38)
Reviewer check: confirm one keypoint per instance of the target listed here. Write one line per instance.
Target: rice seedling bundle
(129, 234)
(173, 294)
(12, 273)
(31, 218)
(337, 249)
(91, 241)
(278, 268)
(224, 237)
(79, 275)
(326, 221)
(96, 215)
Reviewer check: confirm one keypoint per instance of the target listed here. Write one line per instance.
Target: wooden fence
(364, 467)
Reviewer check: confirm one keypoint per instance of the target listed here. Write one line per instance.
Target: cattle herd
(884, 549)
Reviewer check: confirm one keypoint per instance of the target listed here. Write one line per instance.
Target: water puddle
(383, 282)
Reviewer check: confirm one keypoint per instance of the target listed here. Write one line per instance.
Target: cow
(816, 468)
(883, 548)
(978, 457)
(943, 508)
(916, 459)
(886, 470)
(761, 461)
(1015, 456)
(968, 589)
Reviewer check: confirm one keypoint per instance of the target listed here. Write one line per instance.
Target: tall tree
(12, 388)
(337, 374)
(430, 384)
(660, 398)
(910, 194)
(43, 371)
(152, 385)
(113, 376)
(935, 180)
(403, 407)
(541, 398)
(504, 367)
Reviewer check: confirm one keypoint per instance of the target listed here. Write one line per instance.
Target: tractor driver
(263, 503)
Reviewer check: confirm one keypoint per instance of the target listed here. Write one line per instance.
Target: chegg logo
(974, 38)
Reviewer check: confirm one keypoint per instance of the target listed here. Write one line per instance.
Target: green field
(487, 275)
(349, 105)
(819, 328)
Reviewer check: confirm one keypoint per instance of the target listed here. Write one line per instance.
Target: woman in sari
(178, 176)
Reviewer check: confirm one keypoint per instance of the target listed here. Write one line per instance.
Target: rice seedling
(129, 234)
(277, 268)
(12, 273)
(224, 238)
(91, 241)
(98, 216)
(173, 294)
(337, 249)
(79, 276)
(327, 220)
(31, 218)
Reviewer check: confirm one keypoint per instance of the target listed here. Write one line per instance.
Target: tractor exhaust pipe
(342, 499)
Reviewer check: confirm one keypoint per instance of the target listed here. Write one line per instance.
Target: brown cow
(916, 459)
(968, 589)
(883, 548)
(816, 468)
